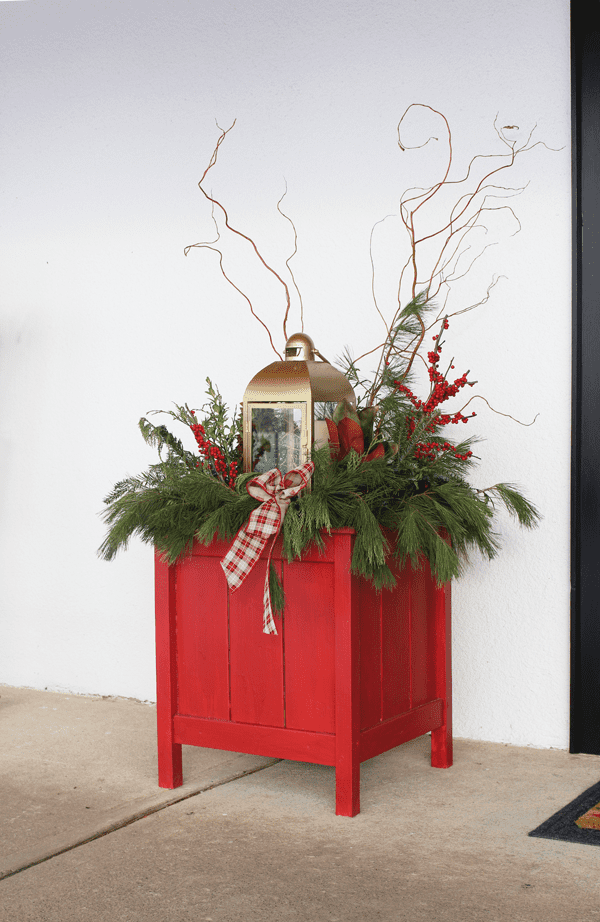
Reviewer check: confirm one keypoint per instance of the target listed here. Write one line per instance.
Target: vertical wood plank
(309, 646)
(421, 636)
(170, 773)
(441, 739)
(370, 639)
(256, 659)
(202, 641)
(396, 644)
(347, 681)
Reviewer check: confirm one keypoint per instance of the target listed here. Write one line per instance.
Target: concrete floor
(86, 834)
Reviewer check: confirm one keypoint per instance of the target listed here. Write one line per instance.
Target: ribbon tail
(241, 557)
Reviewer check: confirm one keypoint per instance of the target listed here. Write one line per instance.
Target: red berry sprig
(441, 391)
(214, 455)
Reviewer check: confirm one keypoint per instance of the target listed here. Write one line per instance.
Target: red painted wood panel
(400, 729)
(421, 633)
(370, 604)
(276, 742)
(309, 646)
(256, 658)
(202, 641)
(396, 645)
(217, 548)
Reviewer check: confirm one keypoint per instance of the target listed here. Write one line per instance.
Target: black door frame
(585, 484)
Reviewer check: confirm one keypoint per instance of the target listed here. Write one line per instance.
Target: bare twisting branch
(243, 294)
(373, 292)
(214, 201)
(447, 224)
(497, 412)
(287, 262)
(209, 245)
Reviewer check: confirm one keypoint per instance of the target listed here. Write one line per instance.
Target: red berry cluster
(431, 450)
(213, 454)
(441, 390)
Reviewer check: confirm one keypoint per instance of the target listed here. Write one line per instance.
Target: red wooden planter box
(350, 674)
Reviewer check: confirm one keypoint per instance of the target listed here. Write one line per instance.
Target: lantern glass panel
(277, 437)
(324, 409)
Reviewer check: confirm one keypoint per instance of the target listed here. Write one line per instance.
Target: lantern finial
(300, 348)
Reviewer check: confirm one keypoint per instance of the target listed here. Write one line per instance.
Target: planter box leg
(441, 747)
(347, 786)
(170, 772)
(347, 684)
(441, 739)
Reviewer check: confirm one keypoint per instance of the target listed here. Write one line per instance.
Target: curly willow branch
(214, 201)
(497, 412)
(207, 246)
(449, 262)
(288, 260)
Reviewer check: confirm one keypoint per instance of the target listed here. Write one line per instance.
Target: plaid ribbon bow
(276, 492)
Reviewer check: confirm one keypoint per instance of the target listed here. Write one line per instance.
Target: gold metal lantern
(279, 407)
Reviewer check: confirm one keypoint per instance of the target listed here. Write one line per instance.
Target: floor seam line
(140, 814)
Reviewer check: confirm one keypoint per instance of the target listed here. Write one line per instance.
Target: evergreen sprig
(171, 505)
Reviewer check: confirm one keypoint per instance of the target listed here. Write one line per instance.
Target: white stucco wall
(109, 115)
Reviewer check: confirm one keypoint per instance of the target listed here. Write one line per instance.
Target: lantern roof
(300, 377)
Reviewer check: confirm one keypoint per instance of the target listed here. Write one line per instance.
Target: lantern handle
(300, 347)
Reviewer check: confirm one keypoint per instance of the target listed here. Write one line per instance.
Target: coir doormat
(579, 821)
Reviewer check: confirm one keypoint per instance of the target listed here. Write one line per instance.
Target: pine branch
(277, 592)
(517, 505)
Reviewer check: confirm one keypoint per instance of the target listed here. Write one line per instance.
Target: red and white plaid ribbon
(276, 491)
